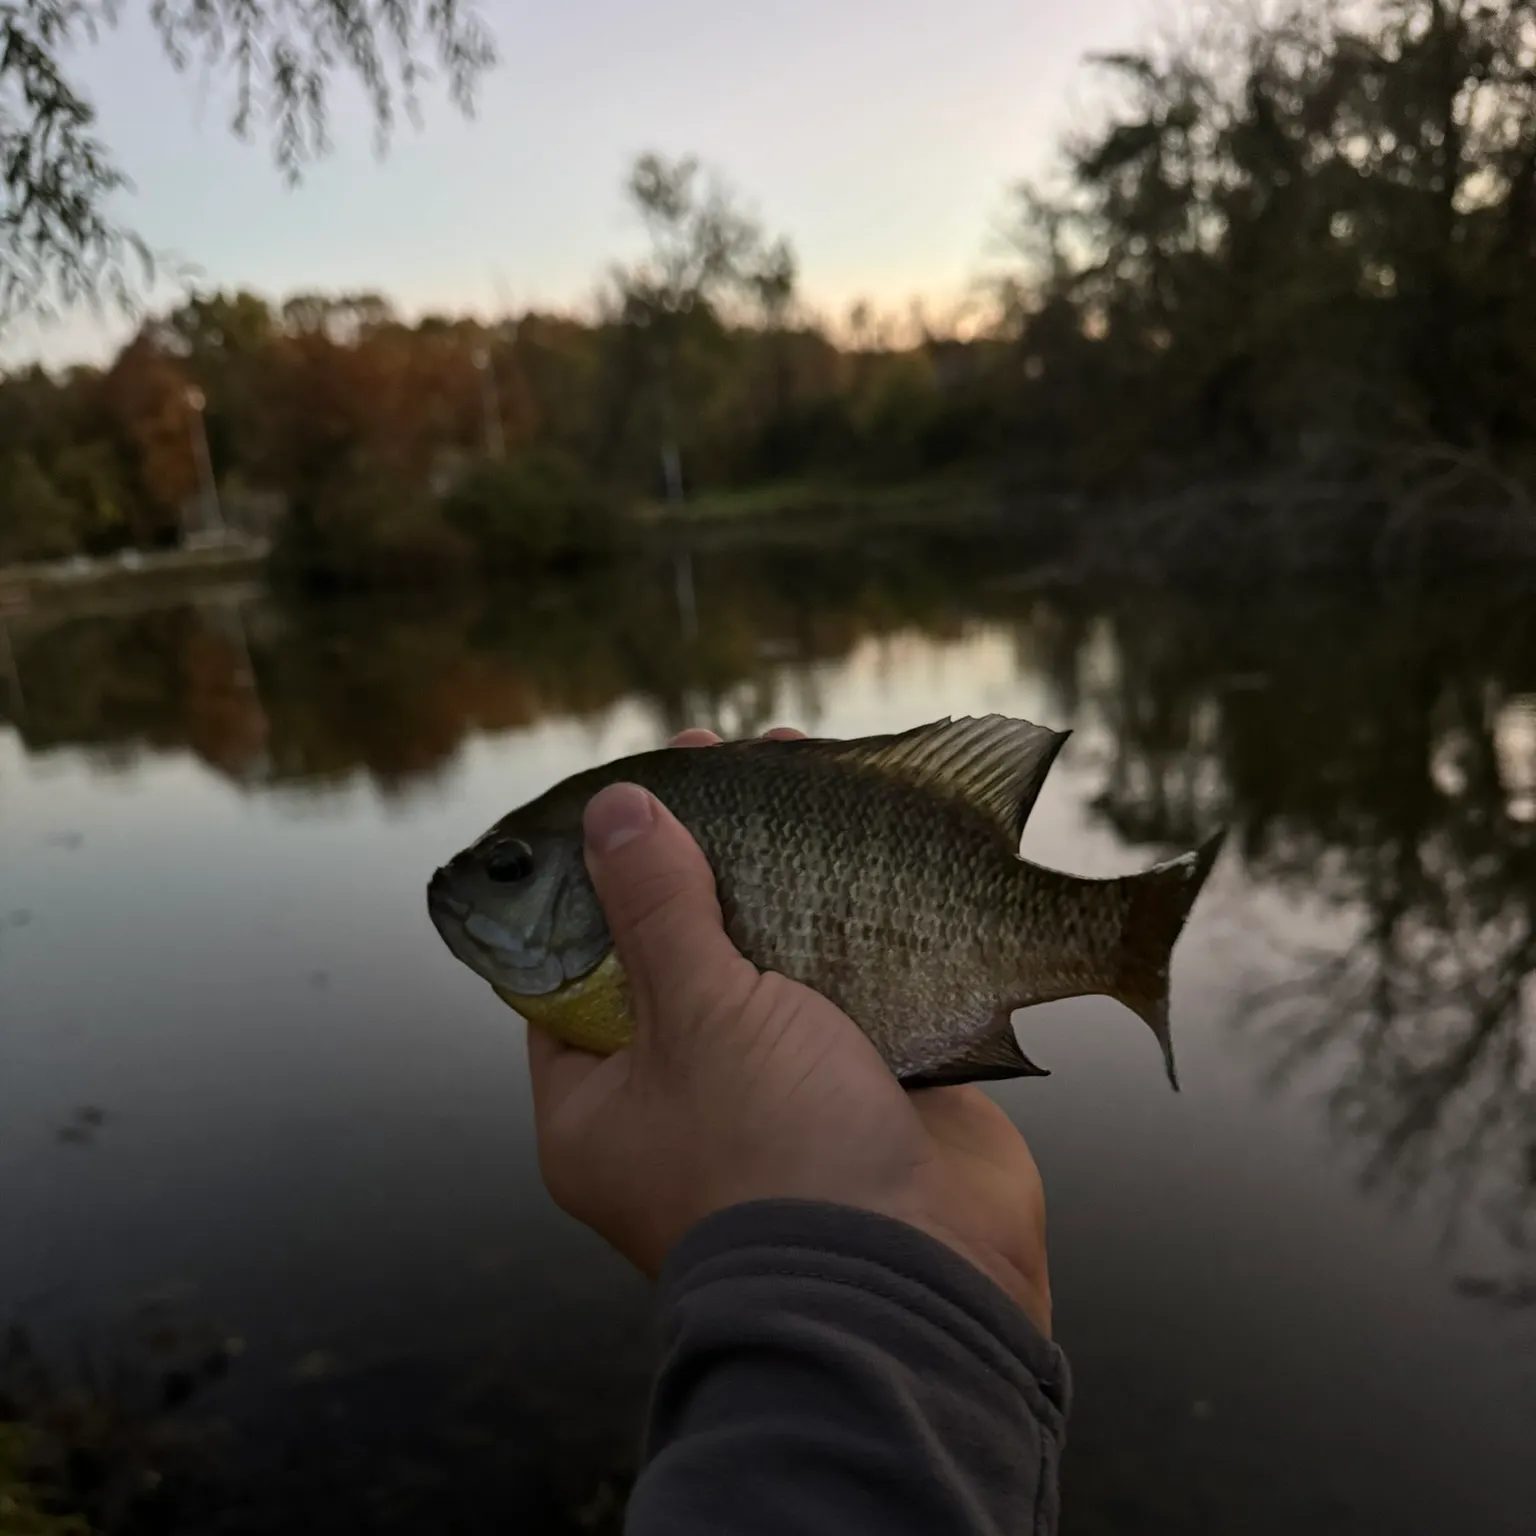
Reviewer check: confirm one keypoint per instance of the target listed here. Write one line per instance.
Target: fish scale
(884, 914)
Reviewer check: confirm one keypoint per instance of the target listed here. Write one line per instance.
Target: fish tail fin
(1160, 903)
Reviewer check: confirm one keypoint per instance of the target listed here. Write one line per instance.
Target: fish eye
(510, 863)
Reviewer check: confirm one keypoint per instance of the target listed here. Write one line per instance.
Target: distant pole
(672, 473)
(671, 455)
(672, 477)
(495, 443)
(687, 600)
(11, 667)
(196, 401)
(245, 672)
(682, 569)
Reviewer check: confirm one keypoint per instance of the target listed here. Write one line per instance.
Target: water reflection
(266, 692)
(1375, 758)
(1379, 761)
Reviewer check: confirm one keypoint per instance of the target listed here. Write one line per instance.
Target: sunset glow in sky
(880, 135)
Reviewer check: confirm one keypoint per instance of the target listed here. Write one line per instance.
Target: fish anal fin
(992, 763)
(996, 1056)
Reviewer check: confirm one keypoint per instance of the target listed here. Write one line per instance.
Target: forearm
(826, 1370)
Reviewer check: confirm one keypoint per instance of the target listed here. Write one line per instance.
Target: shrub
(37, 522)
(370, 531)
(539, 509)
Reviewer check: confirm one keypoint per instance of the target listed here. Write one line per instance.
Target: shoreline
(53, 583)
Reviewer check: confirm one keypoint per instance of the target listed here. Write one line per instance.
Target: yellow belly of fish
(591, 1013)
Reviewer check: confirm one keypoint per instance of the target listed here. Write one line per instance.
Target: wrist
(1029, 1291)
(853, 1229)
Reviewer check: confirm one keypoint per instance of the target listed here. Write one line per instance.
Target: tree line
(1296, 239)
(1293, 246)
(398, 446)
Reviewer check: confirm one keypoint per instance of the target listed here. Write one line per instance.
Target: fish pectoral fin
(994, 764)
(996, 1056)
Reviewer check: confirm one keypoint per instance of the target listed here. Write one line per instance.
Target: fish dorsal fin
(994, 764)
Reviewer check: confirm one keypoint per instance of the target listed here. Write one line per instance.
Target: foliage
(368, 530)
(58, 236)
(56, 176)
(539, 510)
(22, 1510)
(1300, 240)
(1292, 261)
(98, 1433)
(39, 519)
(412, 452)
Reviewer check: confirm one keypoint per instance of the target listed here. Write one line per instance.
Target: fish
(882, 871)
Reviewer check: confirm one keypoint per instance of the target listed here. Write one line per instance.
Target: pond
(274, 1254)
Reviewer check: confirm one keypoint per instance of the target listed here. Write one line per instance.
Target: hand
(743, 1085)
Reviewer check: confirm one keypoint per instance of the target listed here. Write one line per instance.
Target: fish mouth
(441, 902)
(451, 916)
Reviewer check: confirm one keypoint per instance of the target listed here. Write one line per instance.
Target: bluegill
(884, 872)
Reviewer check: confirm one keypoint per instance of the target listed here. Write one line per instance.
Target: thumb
(658, 894)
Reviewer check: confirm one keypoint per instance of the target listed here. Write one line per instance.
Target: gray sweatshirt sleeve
(826, 1370)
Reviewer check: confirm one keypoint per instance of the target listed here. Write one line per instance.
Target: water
(271, 1232)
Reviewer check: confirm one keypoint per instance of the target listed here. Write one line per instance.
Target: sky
(881, 136)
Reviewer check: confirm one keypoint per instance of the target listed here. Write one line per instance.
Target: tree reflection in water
(1375, 755)
(1379, 761)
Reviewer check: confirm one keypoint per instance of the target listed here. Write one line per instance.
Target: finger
(783, 733)
(695, 736)
(555, 1072)
(658, 894)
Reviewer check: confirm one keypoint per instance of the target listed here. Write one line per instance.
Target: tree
(704, 252)
(39, 522)
(146, 394)
(58, 237)
(1298, 236)
(212, 326)
(541, 509)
